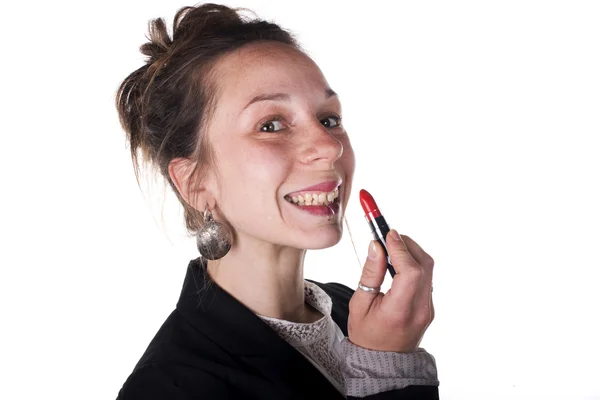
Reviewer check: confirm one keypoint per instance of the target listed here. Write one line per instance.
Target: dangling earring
(214, 239)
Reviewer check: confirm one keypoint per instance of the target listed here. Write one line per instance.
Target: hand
(397, 320)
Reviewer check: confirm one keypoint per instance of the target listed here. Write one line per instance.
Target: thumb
(373, 274)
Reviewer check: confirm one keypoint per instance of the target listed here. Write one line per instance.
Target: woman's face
(275, 132)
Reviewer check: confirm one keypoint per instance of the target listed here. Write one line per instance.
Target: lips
(327, 186)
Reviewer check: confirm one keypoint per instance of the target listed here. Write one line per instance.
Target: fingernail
(395, 234)
(372, 250)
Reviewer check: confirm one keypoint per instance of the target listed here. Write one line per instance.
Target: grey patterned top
(353, 370)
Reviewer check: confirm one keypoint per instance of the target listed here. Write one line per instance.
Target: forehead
(266, 66)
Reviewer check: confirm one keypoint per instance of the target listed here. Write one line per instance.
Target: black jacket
(213, 347)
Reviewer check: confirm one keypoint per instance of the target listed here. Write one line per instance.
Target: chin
(323, 241)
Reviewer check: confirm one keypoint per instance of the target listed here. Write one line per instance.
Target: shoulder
(176, 344)
(160, 347)
(177, 364)
(161, 381)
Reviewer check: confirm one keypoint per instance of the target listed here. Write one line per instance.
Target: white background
(475, 126)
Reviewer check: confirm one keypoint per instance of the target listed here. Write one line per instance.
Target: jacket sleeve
(151, 382)
(381, 375)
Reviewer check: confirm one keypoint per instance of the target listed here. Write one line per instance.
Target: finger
(417, 252)
(427, 262)
(425, 314)
(373, 274)
(409, 274)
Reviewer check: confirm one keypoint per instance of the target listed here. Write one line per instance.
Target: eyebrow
(282, 97)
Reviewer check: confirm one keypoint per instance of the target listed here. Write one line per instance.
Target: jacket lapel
(246, 338)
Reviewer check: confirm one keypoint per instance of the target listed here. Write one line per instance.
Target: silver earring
(214, 239)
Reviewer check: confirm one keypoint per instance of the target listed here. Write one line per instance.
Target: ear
(191, 188)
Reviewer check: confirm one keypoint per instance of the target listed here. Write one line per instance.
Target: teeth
(314, 199)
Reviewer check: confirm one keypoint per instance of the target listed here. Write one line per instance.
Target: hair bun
(159, 40)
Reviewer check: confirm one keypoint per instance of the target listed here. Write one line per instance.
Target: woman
(246, 130)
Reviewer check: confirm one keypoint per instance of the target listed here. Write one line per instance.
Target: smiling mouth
(314, 198)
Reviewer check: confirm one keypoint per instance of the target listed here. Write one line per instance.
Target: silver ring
(368, 289)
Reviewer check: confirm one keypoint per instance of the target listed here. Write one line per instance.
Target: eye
(272, 126)
(332, 121)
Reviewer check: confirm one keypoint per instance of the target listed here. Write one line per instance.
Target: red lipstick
(379, 228)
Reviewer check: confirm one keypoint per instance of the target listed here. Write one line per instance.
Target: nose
(321, 146)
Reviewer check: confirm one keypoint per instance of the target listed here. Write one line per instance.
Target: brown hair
(164, 105)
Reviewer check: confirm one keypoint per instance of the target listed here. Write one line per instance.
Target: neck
(266, 278)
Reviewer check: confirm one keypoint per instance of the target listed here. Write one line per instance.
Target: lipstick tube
(378, 225)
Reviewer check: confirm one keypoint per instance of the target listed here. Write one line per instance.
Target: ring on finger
(368, 289)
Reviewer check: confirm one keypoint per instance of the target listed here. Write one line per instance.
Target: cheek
(255, 171)
(348, 160)
(349, 153)
(251, 185)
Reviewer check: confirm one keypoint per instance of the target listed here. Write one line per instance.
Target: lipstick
(379, 228)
